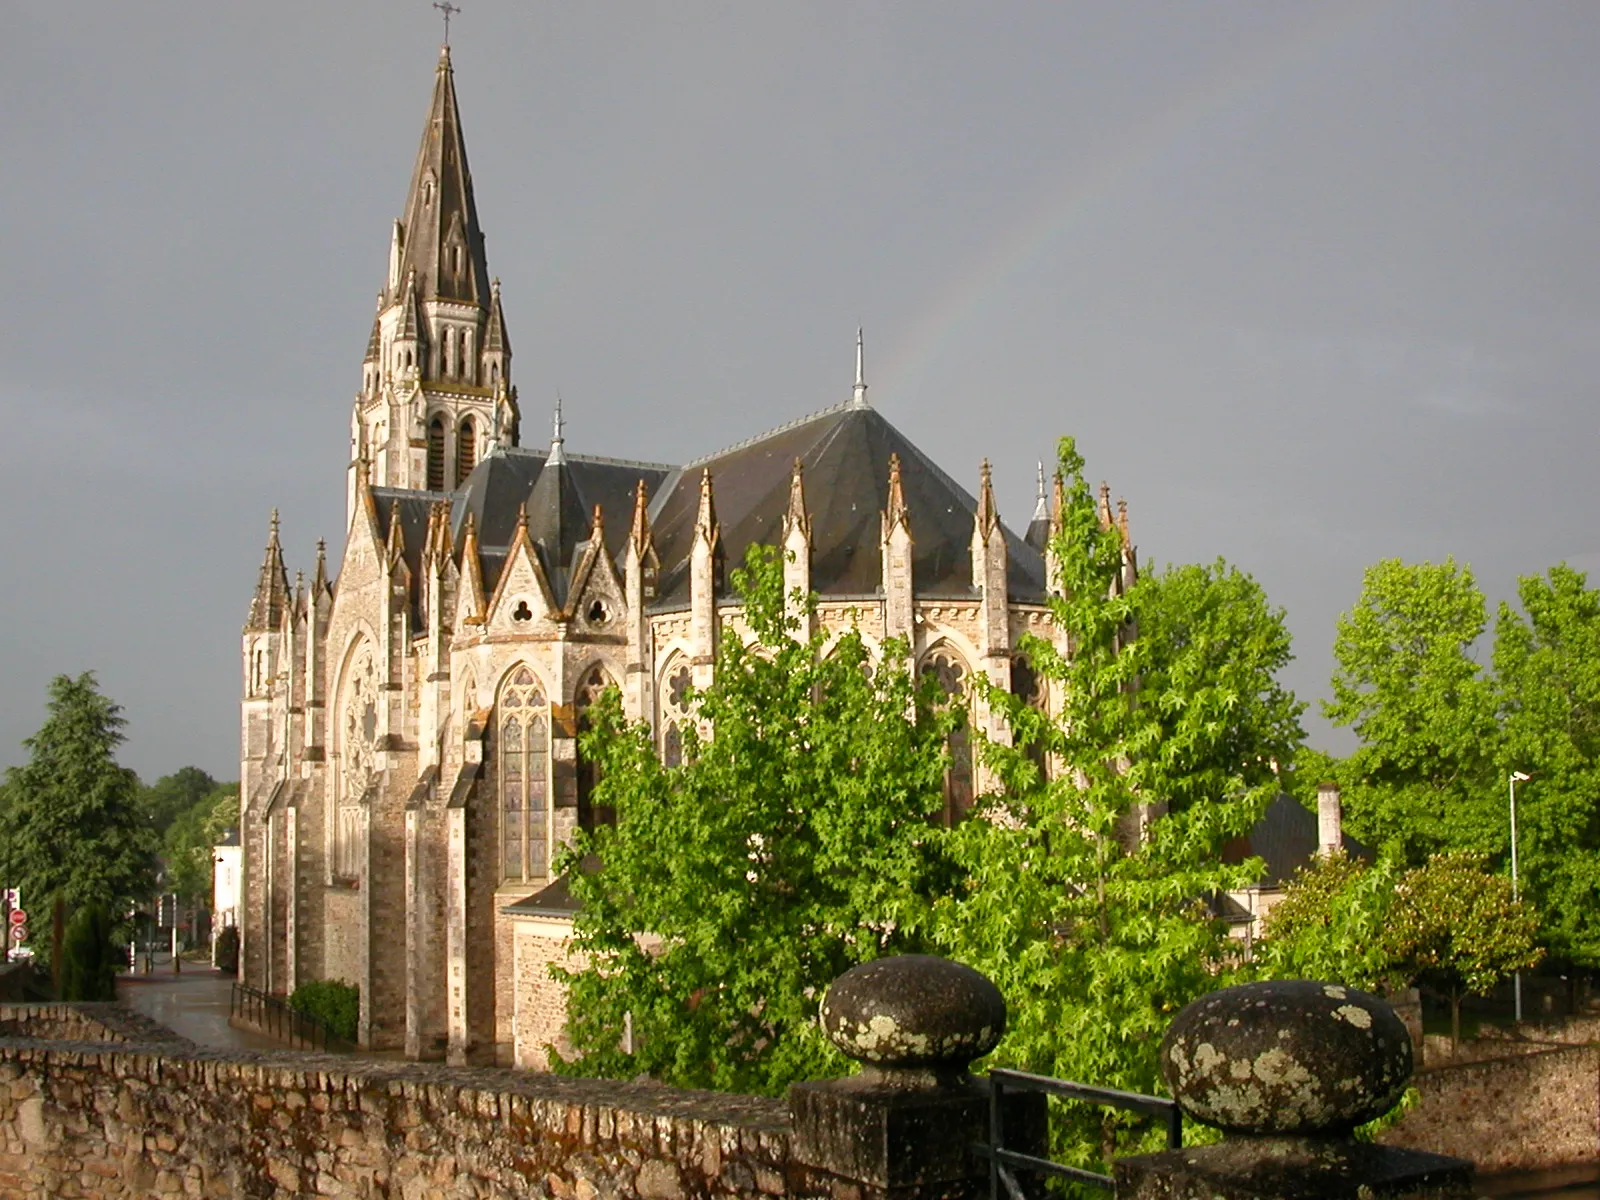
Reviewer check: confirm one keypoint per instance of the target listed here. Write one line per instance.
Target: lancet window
(589, 814)
(674, 713)
(522, 753)
(947, 667)
(466, 451)
(436, 455)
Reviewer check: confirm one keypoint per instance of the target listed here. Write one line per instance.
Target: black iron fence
(1002, 1160)
(272, 1015)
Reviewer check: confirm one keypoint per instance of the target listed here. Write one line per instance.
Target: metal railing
(273, 1016)
(1001, 1159)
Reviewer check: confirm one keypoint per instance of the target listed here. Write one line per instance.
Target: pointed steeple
(988, 514)
(895, 513)
(495, 339)
(1104, 506)
(375, 338)
(705, 523)
(858, 398)
(795, 516)
(1038, 535)
(319, 579)
(272, 586)
(440, 237)
(558, 453)
(640, 540)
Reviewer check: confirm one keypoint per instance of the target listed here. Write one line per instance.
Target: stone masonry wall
(82, 1022)
(84, 1120)
(1528, 1111)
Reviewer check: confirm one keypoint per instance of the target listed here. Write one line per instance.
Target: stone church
(409, 761)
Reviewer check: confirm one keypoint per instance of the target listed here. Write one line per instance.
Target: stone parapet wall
(1526, 1111)
(83, 1023)
(90, 1119)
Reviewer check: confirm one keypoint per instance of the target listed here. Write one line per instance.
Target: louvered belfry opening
(466, 452)
(436, 455)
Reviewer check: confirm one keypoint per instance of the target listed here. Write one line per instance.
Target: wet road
(193, 1005)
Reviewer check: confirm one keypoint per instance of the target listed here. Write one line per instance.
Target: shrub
(336, 1004)
(89, 958)
(225, 952)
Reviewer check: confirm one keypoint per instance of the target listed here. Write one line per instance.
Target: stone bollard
(905, 1125)
(1287, 1071)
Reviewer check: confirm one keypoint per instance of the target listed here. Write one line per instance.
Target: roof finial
(557, 452)
(449, 10)
(859, 400)
(272, 528)
(1041, 510)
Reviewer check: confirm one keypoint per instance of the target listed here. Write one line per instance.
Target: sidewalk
(193, 1005)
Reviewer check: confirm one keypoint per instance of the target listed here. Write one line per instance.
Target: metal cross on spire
(449, 10)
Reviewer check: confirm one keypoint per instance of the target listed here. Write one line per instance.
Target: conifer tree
(71, 825)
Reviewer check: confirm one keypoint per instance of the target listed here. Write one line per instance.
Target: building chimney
(1330, 836)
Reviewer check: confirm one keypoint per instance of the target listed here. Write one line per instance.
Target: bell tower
(436, 393)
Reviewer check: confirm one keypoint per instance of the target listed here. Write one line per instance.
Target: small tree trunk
(1455, 1022)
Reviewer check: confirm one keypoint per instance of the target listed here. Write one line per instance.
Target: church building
(409, 762)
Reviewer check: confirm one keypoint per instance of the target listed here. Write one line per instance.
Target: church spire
(858, 398)
(1038, 535)
(272, 585)
(439, 236)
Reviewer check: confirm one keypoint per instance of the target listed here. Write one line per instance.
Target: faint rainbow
(979, 282)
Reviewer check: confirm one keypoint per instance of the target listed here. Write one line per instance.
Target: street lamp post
(1516, 894)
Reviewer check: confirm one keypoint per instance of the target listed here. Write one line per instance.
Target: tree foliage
(1454, 927)
(1087, 895)
(173, 796)
(89, 956)
(71, 826)
(1547, 666)
(187, 846)
(790, 845)
(1332, 924)
(1407, 683)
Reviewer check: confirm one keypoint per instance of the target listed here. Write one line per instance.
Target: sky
(1312, 284)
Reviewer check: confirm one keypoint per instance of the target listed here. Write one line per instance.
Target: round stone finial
(913, 1011)
(1290, 1057)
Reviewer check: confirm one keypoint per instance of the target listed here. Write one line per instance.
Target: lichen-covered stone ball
(1288, 1057)
(913, 1010)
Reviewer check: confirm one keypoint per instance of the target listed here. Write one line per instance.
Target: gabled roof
(845, 454)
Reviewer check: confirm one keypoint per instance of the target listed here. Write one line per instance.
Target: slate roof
(845, 454)
(1286, 839)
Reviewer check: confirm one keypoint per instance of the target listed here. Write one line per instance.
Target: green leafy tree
(1423, 777)
(172, 796)
(187, 847)
(792, 844)
(1547, 666)
(1088, 894)
(1332, 924)
(1455, 928)
(71, 825)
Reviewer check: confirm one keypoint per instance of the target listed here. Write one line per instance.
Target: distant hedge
(337, 1005)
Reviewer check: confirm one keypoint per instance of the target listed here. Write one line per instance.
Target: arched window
(466, 452)
(469, 364)
(674, 702)
(1029, 686)
(589, 814)
(522, 752)
(447, 364)
(436, 455)
(951, 672)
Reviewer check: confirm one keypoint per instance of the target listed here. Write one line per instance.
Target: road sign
(18, 917)
(19, 934)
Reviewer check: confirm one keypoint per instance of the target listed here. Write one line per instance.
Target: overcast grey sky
(1312, 284)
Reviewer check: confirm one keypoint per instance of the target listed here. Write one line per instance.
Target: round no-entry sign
(19, 934)
(19, 917)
